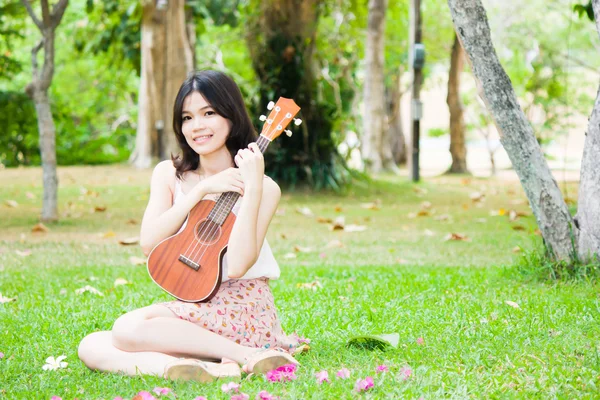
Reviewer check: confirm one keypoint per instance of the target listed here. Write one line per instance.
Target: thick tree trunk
(588, 206)
(545, 198)
(373, 98)
(458, 149)
(167, 58)
(37, 90)
(396, 138)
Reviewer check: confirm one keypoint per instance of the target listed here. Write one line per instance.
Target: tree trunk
(458, 149)
(397, 141)
(374, 96)
(588, 206)
(37, 90)
(167, 58)
(516, 134)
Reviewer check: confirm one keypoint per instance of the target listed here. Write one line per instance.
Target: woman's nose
(198, 124)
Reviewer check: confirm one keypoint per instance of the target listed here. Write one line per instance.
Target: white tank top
(266, 266)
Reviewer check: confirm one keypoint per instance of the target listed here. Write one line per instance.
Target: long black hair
(224, 96)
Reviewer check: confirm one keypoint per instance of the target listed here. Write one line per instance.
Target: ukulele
(189, 264)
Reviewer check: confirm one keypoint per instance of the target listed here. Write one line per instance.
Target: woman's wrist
(199, 191)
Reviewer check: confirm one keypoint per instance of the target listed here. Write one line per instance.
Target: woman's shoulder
(164, 172)
(270, 186)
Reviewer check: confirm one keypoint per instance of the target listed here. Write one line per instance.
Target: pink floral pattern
(243, 310)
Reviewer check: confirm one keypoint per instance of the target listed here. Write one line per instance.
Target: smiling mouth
(202, 139)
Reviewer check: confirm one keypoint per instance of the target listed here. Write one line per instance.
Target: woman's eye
(210, 113)
(184, 118)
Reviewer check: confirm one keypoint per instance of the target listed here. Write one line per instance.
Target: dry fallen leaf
(465, 181)
(88, 288)
(137, 260)
(354, 228)
(109, 234)
(129, 241)
(23, 253)
(516, 249)
(282, 236)
(518, 228)
(428, 232)
(456, 236)
(131, 221)
(426, 205)
(512, 304)
(477, 196)
(6, 299)
(334, 244)
(499, 212)
(40, 228)
(338, 209)
(338, 224)
(423, 213)
(121, 281)
(11, 203)
(289, 256)
(305, 211)
(100, 208)
(412, 215)
(371, 206)
(314, 285)
(29, 195)
(419, 191)
(323, 220)
(300, 249)
(442, 217)
(401, 261)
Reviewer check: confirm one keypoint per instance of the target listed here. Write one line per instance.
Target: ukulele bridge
(192, 264)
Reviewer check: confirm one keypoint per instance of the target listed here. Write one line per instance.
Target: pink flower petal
(363, 384)
(231, 386)
(282, 374)
(264, 395)
(146, 395)
(322, 376)
(303, 340)
(241, 396)
(55, 398)
(160, 391)
(382, 368)
(200, 398)
(420, 341)
(1, 355)
(343, 373)
(118, 398)
(405, 373)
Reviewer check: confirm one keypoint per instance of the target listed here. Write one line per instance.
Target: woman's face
(204, 130)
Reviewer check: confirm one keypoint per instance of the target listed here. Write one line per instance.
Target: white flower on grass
(88, 288)
(54, 364)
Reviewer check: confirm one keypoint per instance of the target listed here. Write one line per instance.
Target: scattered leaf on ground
(289, 256)
(314, 285)
(129, 241)
(338, 224)
(29, 195)
(334, 244)
(338, 209)
(300, 249)
(23, 253)
(512, 304)
(518, 228)
(132, 221)
(108, 234)
(88, 288)
(323, 220)
(100, 208)
(477, 196)
(40, 228)
(137, 260)
(457, 237)
(516, 249)
(354, 228)
(11, 203)
(442, 217)
(6, 299)
(305, 211)
(121, 281)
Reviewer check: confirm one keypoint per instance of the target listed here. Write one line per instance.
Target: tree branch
(58, 11)
(596, 8)
(35, 19)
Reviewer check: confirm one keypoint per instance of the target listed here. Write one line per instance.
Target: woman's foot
(264, 361)
(202, 371)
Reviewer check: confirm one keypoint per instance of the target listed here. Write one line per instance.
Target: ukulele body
(189, 264)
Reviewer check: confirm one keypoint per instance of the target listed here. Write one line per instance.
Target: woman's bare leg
(150, 337)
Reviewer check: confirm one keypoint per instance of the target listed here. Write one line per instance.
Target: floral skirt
(243, 310)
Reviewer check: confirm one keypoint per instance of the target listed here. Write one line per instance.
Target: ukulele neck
(227, 200)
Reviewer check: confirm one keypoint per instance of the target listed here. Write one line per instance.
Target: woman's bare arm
(248, 234)
(161, 218)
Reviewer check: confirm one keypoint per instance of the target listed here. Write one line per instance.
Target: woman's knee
(128, 329)
(92, 348)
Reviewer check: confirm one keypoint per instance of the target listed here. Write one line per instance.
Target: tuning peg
(288, 132)
(263, 117)
(297, 121)
(270, 105)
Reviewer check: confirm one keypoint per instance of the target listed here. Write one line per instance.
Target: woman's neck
(215, 162)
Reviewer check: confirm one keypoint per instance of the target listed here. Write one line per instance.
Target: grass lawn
(399, 275)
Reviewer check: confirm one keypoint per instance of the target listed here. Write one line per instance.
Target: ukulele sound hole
(208, 232)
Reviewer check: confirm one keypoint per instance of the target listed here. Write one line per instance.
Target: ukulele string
(193, 241)
(207, 232)
(215, 228)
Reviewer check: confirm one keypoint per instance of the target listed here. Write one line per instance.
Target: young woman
(239, 326)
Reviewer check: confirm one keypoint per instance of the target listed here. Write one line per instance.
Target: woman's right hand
(229, 180)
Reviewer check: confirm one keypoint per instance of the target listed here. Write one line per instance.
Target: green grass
(397, 276)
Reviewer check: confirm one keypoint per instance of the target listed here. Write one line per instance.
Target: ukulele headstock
(281, 115)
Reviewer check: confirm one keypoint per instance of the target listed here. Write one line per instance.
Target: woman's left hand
(252, 166)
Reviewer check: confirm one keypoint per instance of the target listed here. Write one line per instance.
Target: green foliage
(584, 9)
(19, 138)
(437, 132)
(12, 24)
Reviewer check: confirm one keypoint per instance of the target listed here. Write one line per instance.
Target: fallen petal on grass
(322, 376)
(362, 385)
(343, 373)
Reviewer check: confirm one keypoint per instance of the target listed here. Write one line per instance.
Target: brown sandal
(202, 371)
(264, 361)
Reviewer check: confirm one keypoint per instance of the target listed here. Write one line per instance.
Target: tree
(375, 142)
(37, 90)
(458, 149)
(281, 37)
(563, 238)
(167, 57)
